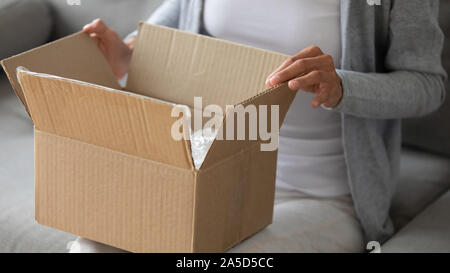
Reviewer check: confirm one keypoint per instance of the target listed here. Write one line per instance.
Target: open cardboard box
(106, 166)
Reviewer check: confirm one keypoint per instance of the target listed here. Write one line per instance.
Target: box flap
(75, 57)
(279, 95)
(106, 117)
(176, 66)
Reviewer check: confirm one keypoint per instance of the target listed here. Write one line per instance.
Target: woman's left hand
(312, 71)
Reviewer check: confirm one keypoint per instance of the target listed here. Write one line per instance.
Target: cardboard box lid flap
(76, 57)
(176, 66)
(279, 95)
(105, 117)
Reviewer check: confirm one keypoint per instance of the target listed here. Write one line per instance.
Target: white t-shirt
(310, 156)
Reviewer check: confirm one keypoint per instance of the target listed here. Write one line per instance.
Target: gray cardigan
(391, 69)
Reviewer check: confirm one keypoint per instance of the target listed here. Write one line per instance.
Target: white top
(310, 156)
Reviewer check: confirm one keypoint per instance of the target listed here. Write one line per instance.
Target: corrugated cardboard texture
(106, 165)
(75, 57)
(220, 149)
(234, 199)
(109, 118)
(176, 66)
(260, 192)
(111, 197)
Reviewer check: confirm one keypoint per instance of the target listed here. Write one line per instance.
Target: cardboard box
(106, 166)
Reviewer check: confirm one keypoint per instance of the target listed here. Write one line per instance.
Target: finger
(130, 42)
(100, 44)
(315, 77)
(308, 52)
(285, 64)
(303, 66)
(92, 25)
(88, 27)
(97, 26)
(321, 98)
(333, 100)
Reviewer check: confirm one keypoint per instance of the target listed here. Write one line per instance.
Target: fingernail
(275, 80)
(293, 85)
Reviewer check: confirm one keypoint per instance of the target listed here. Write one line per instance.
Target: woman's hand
(117, 52)
(312, 71)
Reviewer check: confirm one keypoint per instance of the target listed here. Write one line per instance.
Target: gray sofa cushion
(18, 230)
(428, 232)
(423, 178)
(24, 24)
(432, 132)
(122, 16)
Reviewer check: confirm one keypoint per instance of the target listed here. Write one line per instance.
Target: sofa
(419, 209)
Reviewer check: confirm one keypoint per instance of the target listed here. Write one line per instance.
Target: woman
(372, 66)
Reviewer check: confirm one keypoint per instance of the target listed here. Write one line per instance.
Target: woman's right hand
(117, 52)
